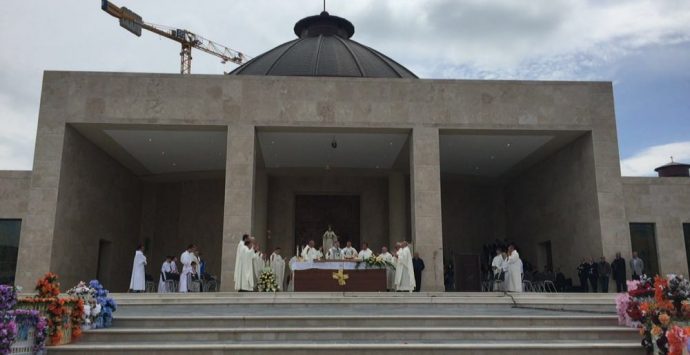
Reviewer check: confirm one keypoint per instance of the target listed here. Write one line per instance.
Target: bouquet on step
(267, 281)
(660, 308)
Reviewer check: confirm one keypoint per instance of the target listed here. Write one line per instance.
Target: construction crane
(134, 24)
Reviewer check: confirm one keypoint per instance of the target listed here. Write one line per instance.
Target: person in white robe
(334, 253)
(497, 268)
(173, 266)
(186, 259)
(310, 253)
(390, 272)
(329, 238)
(291, 274)
(165, 270)
(138, 280)
(245, 282)
(240, 246)
(365, 253)
(404, 272)
(349, 252)
(277, 265)
(258, 263)
(513, 278)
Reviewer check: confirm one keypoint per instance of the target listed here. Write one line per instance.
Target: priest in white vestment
(309, 253)
(236, 276)
(245, 282)
(329, 238)
(334, 253)
(165, 270)
(349, 252)
(138, 280)
(513, 279)
(186, 259)
(497, 268)
(365, 253)
(291, 273)
(277, 265)
(259, 263)
(390, 272)
(404, 272)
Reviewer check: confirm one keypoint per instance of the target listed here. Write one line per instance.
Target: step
(352, 334)
(141, 321)
(368, 348)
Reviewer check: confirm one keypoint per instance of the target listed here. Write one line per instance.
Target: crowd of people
(250, 261)
(596, 276)
(193, 269)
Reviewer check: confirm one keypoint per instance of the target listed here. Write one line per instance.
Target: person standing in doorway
(637, 266)
(583, 274)
(618, 268)
(604, 270)
(138, 280)
(186, 259)
(418, 266)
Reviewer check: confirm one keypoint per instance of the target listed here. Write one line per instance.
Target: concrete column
(425, 184)
(396, 208)
(239, 197)
(36, 238)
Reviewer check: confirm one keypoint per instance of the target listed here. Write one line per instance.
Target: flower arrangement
(48, 286)
(104, 306)
(267, 281)
(378, 262)
(64, 314)
(659, 307)
(15, 324)
(27, 319)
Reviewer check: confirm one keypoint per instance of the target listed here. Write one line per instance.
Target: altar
(326, 276)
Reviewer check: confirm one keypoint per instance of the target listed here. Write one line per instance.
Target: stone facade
(14, 194)
(245, 104)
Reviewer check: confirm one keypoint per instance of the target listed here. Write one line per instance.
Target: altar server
(404, 271)
(245, 281)
(138, 281)
(497, 266)
(334, 253)
(277, 264)
(309, 253)
(236, 276)
(390, 272)
(165, 271)
(349, 252)
(365, 253)
(513, 279)
(186, 259)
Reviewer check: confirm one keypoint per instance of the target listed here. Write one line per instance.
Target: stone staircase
(362, 323)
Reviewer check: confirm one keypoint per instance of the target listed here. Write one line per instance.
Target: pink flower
(633, 285)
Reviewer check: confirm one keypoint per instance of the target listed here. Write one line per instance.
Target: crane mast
(133, 23)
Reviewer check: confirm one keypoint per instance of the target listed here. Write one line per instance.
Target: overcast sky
(643, 47)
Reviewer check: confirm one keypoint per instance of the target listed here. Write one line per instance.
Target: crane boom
(188, 40)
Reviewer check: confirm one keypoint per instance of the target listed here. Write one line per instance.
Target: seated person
(173, 274)
(334, 253)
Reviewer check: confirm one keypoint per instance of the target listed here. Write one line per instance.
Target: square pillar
(425, 184)
(239, 197)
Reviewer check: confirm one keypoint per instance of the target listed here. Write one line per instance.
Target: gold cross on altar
(341, 277)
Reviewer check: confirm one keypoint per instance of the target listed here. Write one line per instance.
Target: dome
(324, 48)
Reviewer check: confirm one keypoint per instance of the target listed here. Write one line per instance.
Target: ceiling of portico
(156, 151)
(314, 149)
(497, 154)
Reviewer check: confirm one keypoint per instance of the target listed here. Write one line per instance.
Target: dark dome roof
(324, 48)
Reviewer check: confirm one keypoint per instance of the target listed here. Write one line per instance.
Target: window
(643, 239)
(9, 246)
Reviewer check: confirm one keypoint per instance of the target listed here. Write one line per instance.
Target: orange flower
(664, 319)
(656, 331)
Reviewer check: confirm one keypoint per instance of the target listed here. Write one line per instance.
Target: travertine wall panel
(664, 202)
(14, 194)
(98, 199)
(556, 200)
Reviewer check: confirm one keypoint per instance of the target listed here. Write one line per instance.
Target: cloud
(644, 162)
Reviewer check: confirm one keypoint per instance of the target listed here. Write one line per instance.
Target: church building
(320, 131)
